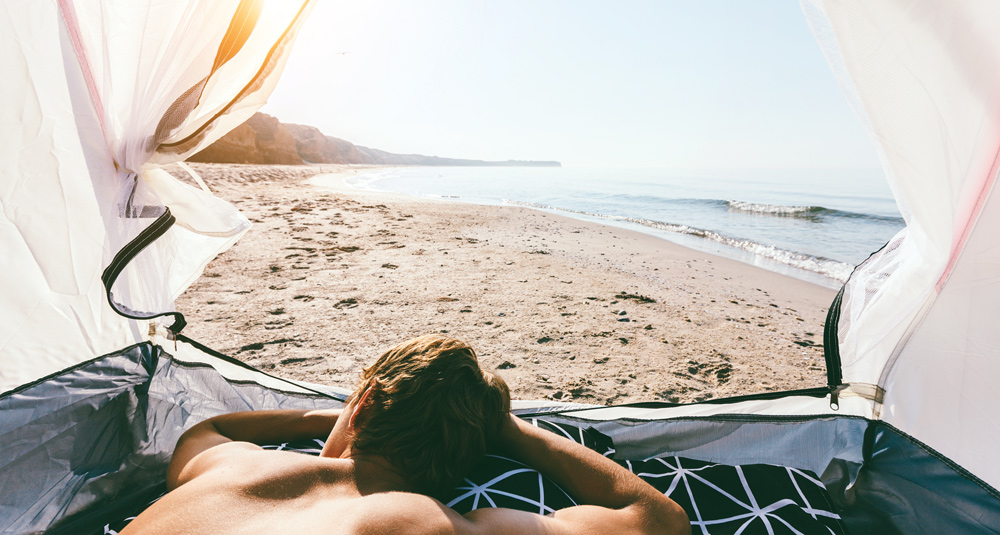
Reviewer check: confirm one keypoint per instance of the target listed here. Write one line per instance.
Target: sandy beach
(329, 277)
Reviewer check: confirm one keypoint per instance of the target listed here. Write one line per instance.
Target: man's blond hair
(431, 411)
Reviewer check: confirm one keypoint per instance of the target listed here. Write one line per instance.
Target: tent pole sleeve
(129, 252)
(222, 356)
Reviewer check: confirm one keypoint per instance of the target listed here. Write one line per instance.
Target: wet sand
(329, 277)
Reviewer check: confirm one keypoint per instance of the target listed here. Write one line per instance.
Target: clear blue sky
(661, 83)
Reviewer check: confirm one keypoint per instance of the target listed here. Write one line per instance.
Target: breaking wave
(774, 209)
(814, 213)
(833, 269)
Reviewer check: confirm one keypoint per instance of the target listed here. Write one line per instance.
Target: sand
(329, 277)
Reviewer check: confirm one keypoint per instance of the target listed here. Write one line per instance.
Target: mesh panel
(209, 122)
(863, 288)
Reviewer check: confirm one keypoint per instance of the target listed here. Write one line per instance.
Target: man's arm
(615, 500)
(256, 427)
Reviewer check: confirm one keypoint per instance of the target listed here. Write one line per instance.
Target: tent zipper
(831, 349)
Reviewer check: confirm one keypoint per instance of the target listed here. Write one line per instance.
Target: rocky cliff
(261, 140)
(265, 140)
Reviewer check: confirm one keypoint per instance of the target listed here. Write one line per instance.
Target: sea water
(815, 225)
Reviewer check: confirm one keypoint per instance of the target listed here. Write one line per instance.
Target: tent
(97, 241)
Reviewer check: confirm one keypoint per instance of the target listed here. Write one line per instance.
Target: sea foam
(833, 269)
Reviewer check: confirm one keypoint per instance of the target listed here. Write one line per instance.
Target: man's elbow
(664, 517)
(676, 521)
(193, 442)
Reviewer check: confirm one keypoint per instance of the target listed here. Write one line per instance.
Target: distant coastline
(484, 163)
(264, 139)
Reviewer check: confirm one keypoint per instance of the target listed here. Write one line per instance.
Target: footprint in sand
(296, 360)
(278, 324)
(350, 302)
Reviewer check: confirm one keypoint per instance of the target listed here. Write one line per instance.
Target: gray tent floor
(93, 441)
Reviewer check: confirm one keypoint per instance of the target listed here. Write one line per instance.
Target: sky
(692, 85)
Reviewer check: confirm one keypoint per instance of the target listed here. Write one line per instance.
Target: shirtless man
(423, 415)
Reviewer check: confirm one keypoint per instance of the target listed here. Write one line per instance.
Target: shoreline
(825, 272)
(560, 307)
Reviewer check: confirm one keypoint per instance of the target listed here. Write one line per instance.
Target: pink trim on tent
(958, 244)
(73, 26)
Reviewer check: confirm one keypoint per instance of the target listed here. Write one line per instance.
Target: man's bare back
(266, 491)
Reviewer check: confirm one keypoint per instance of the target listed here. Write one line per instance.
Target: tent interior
(98, 241)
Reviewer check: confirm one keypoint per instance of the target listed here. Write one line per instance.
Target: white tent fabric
(98, 95)
(915, 318)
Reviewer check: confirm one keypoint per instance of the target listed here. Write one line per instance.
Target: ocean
(813, 225)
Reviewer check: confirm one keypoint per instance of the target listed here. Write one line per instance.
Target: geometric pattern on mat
(503, 482)
(753, 498)
(499, 481)
(718, 498)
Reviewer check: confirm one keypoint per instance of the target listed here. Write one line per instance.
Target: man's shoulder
(238, 452)
(243, 462)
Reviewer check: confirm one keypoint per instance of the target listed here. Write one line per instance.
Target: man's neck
(373, 473)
